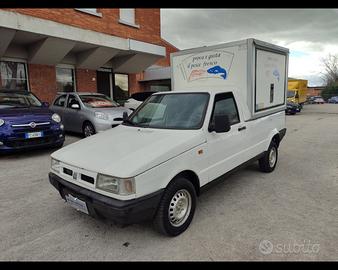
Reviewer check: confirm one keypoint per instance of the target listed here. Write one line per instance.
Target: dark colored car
(26, 122)
(292, 108)
(333, 100)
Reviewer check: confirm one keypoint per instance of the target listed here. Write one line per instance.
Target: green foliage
(329, 91)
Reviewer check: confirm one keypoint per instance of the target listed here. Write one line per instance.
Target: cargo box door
(270, 84)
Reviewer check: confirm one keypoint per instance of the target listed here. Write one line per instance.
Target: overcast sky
(310, 34)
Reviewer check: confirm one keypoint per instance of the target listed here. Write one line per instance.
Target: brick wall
(148, 19)
(312, 91)
(134, 85)
(42, 78)
(169, 48)
(42, 81)
(84, 80)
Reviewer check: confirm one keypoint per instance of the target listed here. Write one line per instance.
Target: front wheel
(268, 162)
(177, 207)
(88, 129)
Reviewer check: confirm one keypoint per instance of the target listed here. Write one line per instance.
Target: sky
(310, 34)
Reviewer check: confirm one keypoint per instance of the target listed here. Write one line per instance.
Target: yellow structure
(297, 90)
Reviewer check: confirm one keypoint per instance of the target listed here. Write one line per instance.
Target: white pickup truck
(227, 109)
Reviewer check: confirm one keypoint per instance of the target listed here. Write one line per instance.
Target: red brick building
(315, 90)
(100, 50)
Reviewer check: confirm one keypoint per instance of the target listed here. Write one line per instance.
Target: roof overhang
(41, 41)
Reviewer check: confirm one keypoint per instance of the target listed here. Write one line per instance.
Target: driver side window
(225, 105)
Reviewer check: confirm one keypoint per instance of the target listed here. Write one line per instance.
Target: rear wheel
(268, 162)
(88, 129)
(177, 207)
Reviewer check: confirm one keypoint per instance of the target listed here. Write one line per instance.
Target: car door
(73, 117)
(58, 106)
(225, 150)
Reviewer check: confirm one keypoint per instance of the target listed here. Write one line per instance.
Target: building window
(121, 88)
(13, 75)
(127, 16)
(65, 79)
(92, 11)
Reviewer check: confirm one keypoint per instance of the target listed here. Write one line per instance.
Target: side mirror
(45, 104)
(75, 106)
(125, 116)
(222, 124)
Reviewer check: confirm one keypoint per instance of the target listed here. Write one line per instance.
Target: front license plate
(32, 135)
(77, 203)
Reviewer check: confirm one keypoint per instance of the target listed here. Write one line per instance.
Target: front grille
(29, 142)
(87, 178)
(20, 131)
(68, 171)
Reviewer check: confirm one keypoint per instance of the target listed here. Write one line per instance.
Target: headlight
(2, 122)
(101, 115)
(56, 118)
(121, 186)
(55, 165)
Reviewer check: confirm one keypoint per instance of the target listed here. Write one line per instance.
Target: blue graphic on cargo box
(218, 70)
(276, 74)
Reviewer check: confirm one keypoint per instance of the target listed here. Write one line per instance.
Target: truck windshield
(291, 94)
(172, 111)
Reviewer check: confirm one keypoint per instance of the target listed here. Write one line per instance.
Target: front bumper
(291, 110)
(9, 145)
(121, 212)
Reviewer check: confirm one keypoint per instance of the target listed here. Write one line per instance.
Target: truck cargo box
(255, 70)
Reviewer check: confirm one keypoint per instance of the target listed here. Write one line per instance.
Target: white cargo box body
(255, 70)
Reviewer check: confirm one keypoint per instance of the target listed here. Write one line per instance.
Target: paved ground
(290, 214)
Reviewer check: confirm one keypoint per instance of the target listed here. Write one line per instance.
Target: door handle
(241, 128)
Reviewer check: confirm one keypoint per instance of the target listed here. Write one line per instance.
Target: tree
(330, 76)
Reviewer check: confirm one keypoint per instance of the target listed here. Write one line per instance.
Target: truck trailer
(297, 91)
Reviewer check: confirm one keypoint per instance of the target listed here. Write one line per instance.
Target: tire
(88, 129)
(182, 193)
(268, 163)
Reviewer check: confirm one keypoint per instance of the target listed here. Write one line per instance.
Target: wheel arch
(274, 136)
(191, 176)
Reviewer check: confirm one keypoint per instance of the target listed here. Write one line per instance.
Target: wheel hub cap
(179, 207)
(272, 157)
(88, 131)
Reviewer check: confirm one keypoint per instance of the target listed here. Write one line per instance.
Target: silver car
(88, 113)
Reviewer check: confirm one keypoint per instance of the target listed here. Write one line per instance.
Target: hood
(26, 114)
(128, 151)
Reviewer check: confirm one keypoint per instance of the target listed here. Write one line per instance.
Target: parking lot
(290, 214)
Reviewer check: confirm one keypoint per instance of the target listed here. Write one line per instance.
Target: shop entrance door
(104, 82)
